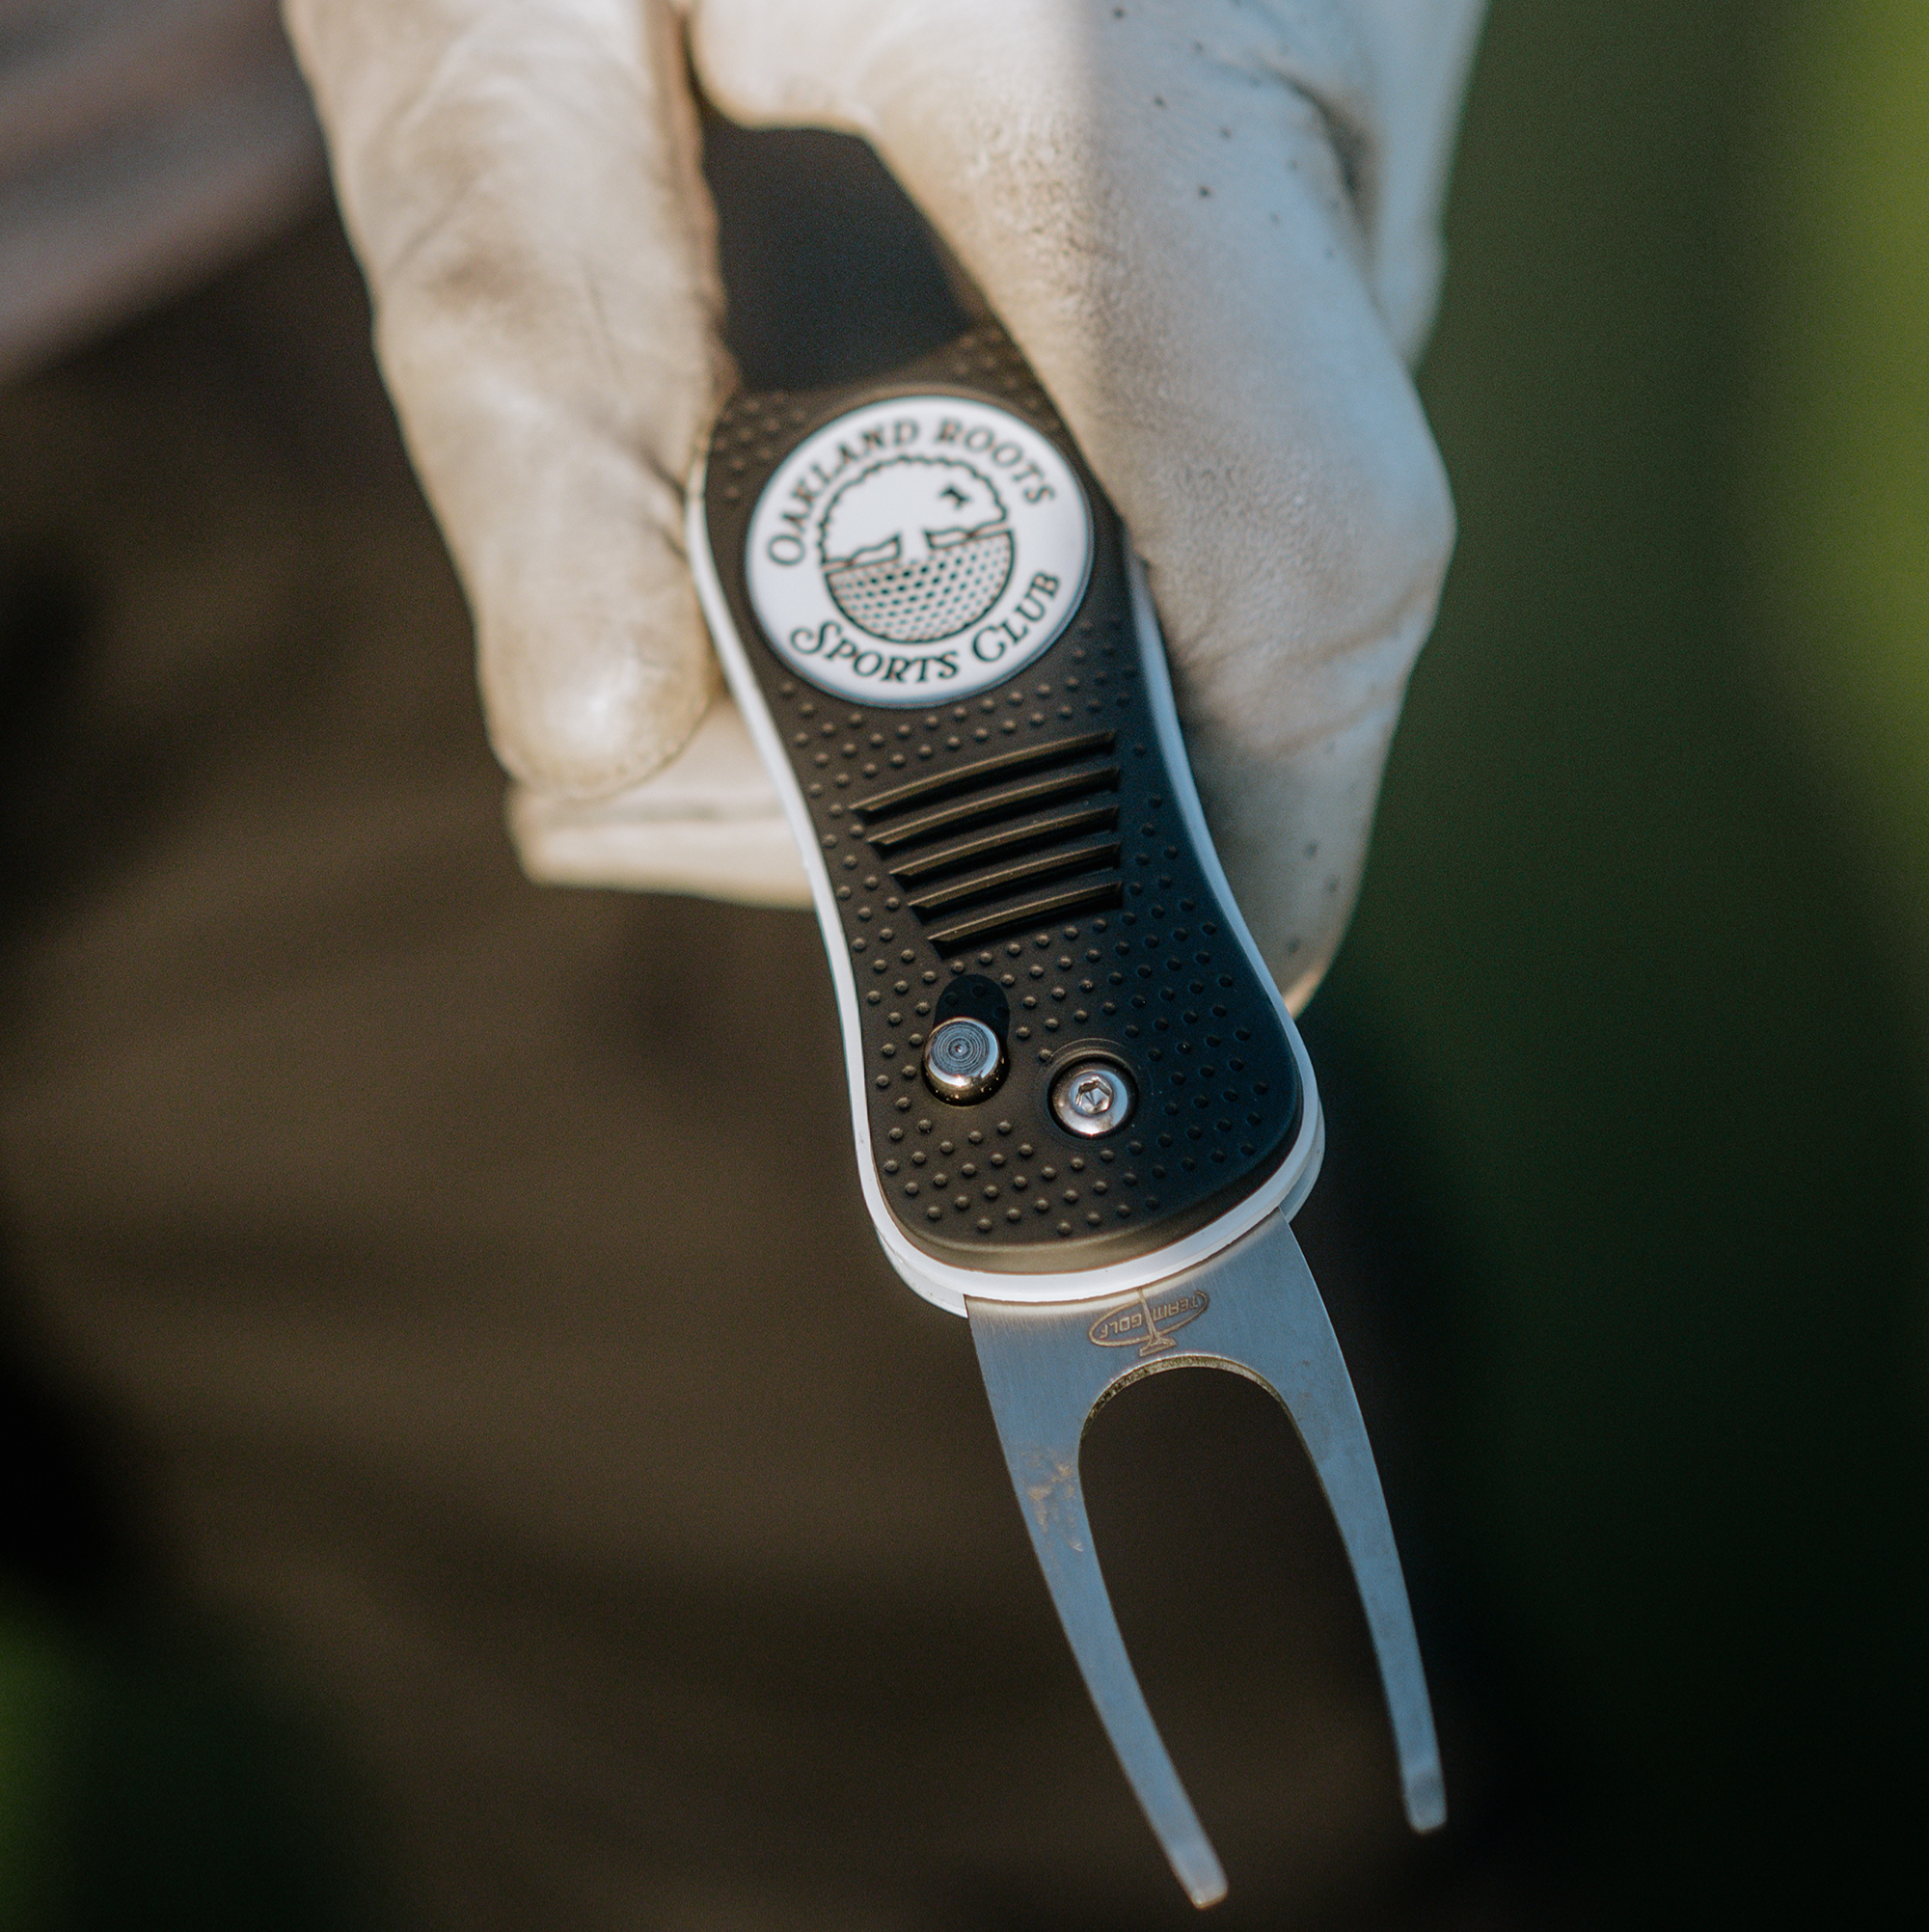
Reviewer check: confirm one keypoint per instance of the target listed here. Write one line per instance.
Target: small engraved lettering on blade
(1146, 1322)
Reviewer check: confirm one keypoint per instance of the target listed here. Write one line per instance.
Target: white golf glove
(1210, 225)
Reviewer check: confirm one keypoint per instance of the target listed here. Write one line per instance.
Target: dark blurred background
(1640, 954)
(1627, 1057)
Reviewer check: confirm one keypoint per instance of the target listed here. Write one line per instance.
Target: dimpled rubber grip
(1017, 857)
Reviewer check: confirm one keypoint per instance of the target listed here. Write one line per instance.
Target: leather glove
(1210, 225)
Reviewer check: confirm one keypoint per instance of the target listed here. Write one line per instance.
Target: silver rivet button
(964, 1059)
(1091, 1099)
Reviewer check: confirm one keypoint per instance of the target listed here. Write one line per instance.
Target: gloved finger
(1171, 206)
(708, 821)
(521, 185)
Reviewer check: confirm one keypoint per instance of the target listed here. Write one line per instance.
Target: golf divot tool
(1082, 1113)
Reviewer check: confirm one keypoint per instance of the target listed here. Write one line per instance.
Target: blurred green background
(1640, 990)
(1643, 948)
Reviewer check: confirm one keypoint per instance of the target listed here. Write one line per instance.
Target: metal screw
(1091, 1099)
(964, 1059)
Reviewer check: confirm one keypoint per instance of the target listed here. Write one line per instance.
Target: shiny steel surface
(1091, 1099)
(964, 1059)
(1252, 1309)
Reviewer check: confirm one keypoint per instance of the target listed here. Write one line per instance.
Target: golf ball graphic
(916, 549)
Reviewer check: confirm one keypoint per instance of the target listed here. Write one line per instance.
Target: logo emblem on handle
(918, 550)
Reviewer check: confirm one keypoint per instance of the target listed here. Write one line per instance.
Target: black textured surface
(1026, 838)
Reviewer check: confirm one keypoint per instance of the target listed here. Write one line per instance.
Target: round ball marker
(964, 1059)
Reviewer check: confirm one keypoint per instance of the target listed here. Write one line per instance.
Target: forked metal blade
(1252, 1309)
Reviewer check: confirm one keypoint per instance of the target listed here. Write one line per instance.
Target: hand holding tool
(1211, 227)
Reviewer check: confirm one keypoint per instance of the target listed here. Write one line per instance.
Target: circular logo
(918, 550)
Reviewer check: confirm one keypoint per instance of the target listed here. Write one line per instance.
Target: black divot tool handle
(998, 818)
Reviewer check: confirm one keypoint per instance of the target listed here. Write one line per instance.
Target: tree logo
(918, 550)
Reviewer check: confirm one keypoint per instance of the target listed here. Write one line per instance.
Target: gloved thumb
(521, 185)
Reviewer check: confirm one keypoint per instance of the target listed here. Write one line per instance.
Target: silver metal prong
(1252, 1309)
(1039, 1367)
